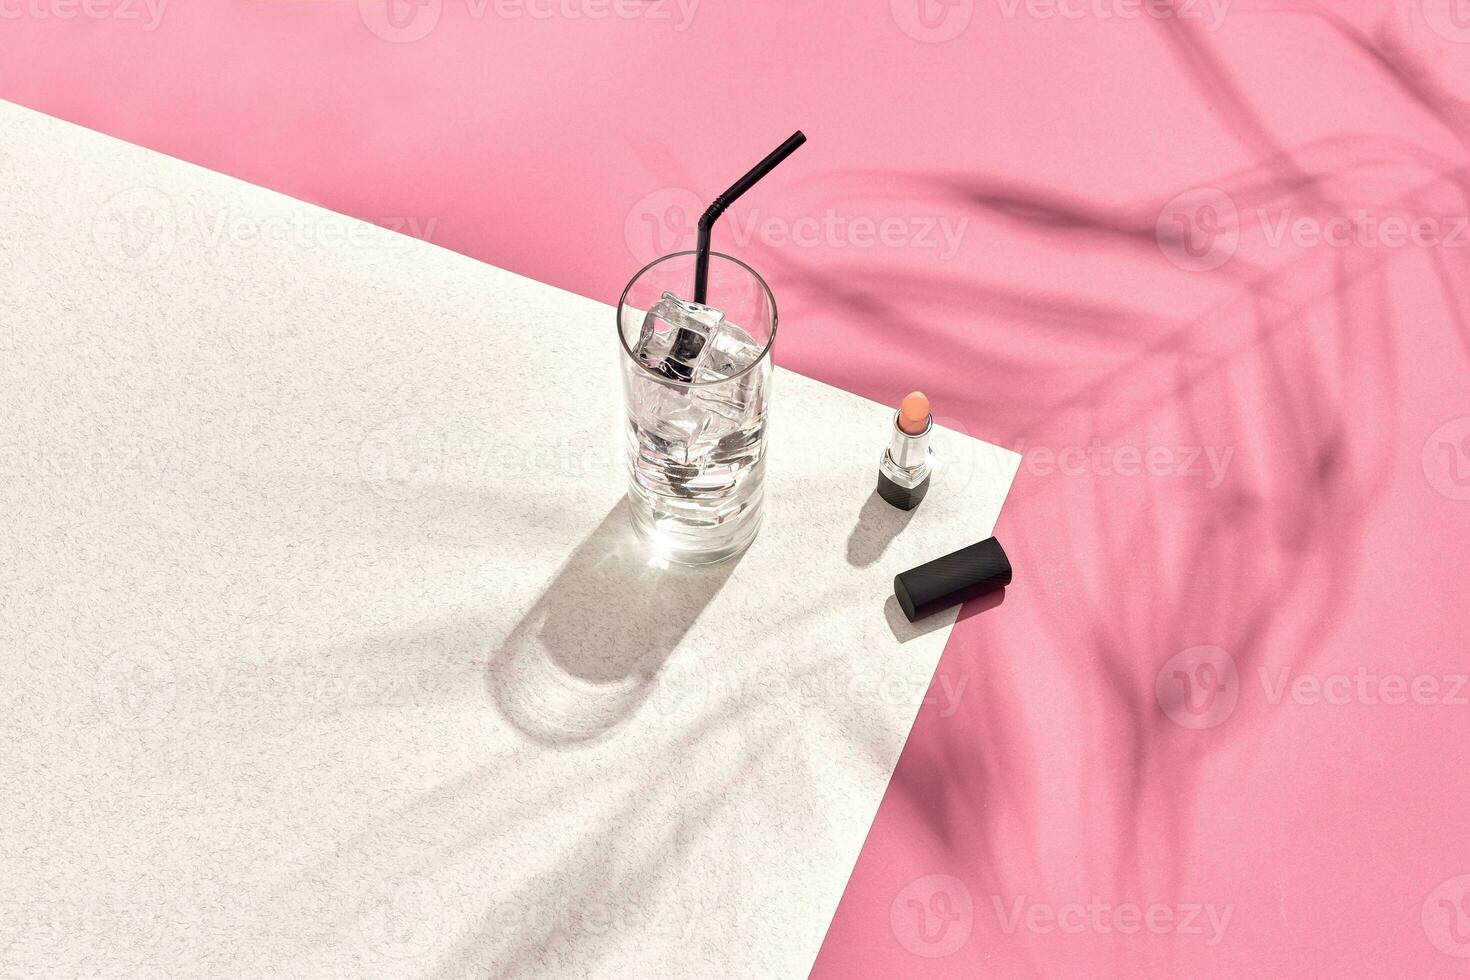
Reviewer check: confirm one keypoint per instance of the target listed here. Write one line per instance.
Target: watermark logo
(1199, 230)
(664, 221)
(932, 916)
(135, 229)
(1199, 687)
(1446, 459)
(403, 919)
(136, 687)
(932, 21)
(1450, 19)
(399, 460)
(1446, 917)
(400, 21)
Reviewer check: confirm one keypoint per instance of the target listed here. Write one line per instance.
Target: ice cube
(676, 336)
(731, 351)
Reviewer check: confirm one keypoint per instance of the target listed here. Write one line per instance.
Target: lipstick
(907, 463)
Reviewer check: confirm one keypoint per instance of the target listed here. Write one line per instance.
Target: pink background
(1116, 730)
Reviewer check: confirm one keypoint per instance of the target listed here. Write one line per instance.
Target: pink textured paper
(1218, 725)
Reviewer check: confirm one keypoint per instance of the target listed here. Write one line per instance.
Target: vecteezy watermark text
(1366, 687)
(936, 21)
(693, 691)
(1206, 463)
(666, 221)
(1210, 14)
(404, 21)
(147, 13)
(1103, 918)
(678, 13)
(1363, 228)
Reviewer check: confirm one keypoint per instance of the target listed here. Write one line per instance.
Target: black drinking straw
(707, 220)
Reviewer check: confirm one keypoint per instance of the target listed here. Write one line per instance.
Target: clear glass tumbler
(696, 385)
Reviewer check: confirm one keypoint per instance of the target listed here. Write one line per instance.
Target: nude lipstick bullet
(908, 462)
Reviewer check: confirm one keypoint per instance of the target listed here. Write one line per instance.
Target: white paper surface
(328, 652)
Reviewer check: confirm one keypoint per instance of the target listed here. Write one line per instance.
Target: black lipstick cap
(966, 574)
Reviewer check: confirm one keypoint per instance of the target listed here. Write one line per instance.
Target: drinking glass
(696, 387)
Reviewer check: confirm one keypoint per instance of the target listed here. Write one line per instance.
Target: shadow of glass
(586, 655)
(878, 523)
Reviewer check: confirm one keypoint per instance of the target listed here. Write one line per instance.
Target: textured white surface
(327, 653)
